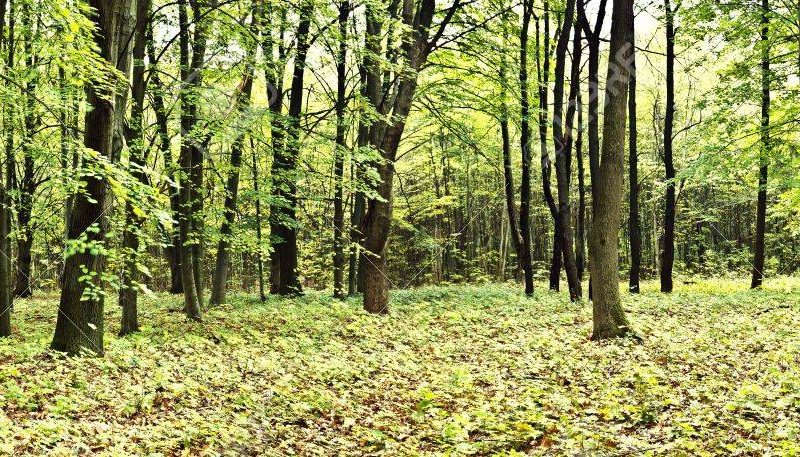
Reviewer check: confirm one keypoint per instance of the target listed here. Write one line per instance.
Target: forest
(399, 227)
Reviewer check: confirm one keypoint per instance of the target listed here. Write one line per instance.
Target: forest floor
(452, 370)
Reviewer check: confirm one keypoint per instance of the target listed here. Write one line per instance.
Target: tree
(761, 207)
(79, 324)
(134, 216)
(525, 145)
(634, 229)
(339, 154)
(668, 244)
(285, 279)
(191, 159)
(608, 316)
(240, 105)
(415, 50)
(562, 137)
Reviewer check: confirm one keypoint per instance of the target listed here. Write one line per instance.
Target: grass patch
(476, 370)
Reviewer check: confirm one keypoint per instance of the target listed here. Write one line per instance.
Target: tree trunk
(339, 154)
(259, 257)
(416, 48)
(188, 236)
(634, 231)
(129, 288)
(543, 79)
(562, 138)
(79, 324)
(241, 103)
(761, 207)
(173, 250)
(668, 253)
(580, 226)
(525, 144)
(285, 278)
(5, 242)
(608, 315)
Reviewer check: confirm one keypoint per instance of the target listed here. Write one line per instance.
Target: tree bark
(525, 144)
(668, 253)
(562, 138)
(285, 278)
(240, 105)
(173, 251)
(634, 230)
(580, 226)
(187, 220)
(339, 154)
(79, 325)
(129, 288)
(761, 206)
(377, 220)
(608, 316)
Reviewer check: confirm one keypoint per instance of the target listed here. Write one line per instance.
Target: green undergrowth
(457, 370)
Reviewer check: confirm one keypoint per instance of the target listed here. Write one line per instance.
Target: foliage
(453, 370)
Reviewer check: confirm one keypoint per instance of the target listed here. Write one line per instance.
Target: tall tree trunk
(668, 254)
(259, 257)
(608, 315)
(580, 226)
(562, 138)
(173, 250)
(188, 236)
(285, 278)
(26, 185)
(543, 79)
(634, 230)
(525, 144)
(377, 220)
(5, 252)
(79, 325)
(129, 288)
(761, 208)
(339, 154)
(240, 105)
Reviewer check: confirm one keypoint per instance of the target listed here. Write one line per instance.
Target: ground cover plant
(459, 370)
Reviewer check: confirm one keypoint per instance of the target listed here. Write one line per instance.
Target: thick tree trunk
(339, 154)
(634, 231)
(668, 253)
(241, 103)
(259, 257)
(285, 279)
(79, 325)
(416, 48)
(608, 316)
(761, 206)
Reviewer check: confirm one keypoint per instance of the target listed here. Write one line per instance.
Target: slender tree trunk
(668, 254)
(543, 79)
(79, 324)
(508, 173)
(187, 218)
(580, 226)
(525, 144)
(129, 289)
(761, 207)
(241, 104)
(562, 138)
(608, 315)
(5, 244)
(339, 153)
(173, 250)
(634, 230)
(259, 257)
